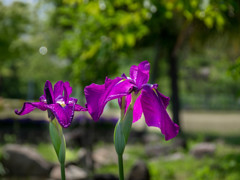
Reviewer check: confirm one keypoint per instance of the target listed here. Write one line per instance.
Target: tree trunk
(173, 62)
(155, 63)
(173, 71)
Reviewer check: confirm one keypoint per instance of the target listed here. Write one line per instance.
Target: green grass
(48, 153)
(225, 165)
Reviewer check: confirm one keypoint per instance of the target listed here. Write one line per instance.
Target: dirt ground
(215, 122)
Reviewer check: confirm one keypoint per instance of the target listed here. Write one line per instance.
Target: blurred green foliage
(97, 33)
(89, 40)
(12, 25)
(23, 69)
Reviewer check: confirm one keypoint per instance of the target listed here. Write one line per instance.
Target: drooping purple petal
(140, 74)
(64, 115)
(98, 95)
(165, 99)
(30, 106)
(67, 91)
(155, 113)
(137, 109)
(79, 108)
(58, 89)
(128, 101)
(48, 92)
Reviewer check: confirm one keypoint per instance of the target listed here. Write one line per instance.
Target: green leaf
(119, 139)
(62, 151)
(122, 131)
(58, 140)
(127, 124)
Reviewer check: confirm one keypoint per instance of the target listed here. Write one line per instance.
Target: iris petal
(64, 115)
(30, 106)
(133, 72)
(79, 108)
(67, 91)
(137, 109)
(48, 92)
(98, 95)
(58, 89)
(58, 105)
(128, 101)
(155, 112)
(140, 74)
(165, 99)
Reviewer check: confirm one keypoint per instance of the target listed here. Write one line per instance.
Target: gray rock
(104, 156)
(165, 149)
(139, 171)
(158, 150)
(82, 157)
(203, 149)
(174, 157)
(150, 138)
(72, 173)
(24, 161)
(179, 143)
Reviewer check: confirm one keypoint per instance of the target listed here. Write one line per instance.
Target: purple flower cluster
(149, 101)
(57, 101)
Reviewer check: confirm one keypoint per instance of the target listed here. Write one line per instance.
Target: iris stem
(120, 167)
(63, 171)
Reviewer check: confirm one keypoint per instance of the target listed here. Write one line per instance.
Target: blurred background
(194, 51)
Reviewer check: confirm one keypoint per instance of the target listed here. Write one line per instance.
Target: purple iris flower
(149, 100)
(57, 102)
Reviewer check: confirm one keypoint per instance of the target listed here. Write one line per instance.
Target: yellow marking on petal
(155, 91)
(62, 103)
(122, 80)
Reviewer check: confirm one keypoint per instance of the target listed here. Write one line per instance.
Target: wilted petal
(58, 89)
(64, 115)
(140, 73)
(30, 106)
(155, 112)
(98, 95)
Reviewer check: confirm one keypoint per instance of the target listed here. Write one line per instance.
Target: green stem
(63, 171)
(120, 167)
